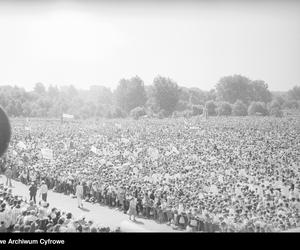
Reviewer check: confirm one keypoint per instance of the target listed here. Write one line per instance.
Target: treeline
(233, 95)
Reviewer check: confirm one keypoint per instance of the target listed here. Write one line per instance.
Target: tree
(211, 107)
(182, 105)
(233, 88)
(224, 108)
(118, 113)
(137, 112)
(166, 93)
(276, 111)
(257, 108)
(197, 110)
(130, 94)
(197, 96)
(53, 92)
(239, 108)
(39, 88)
(291, 104)
(274, 104)
(294, 93)
(259, 91)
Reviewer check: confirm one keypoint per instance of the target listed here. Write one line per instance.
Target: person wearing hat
(43, 191)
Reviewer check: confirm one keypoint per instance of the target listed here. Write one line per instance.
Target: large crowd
(211, 175)
(21, 216)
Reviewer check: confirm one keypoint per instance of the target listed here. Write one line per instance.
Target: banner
(67, 116)
(124, 140)
(21, 145)
(47, 153)
(154, 153)
(28, 129)
(214, 189)
(174, 150)
(94, 149)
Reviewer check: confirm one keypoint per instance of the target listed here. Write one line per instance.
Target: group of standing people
(221, 173)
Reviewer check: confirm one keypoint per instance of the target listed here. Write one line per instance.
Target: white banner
(125, 140)
(154, 153)
(47, 153)
(118, 125)
(21, 145)
(214, 189)
(28, 129)
(174, 150)
(67, 116)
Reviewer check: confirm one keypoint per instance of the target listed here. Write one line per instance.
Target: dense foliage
(233, 95)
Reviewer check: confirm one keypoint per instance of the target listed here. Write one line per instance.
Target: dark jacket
(33, 189)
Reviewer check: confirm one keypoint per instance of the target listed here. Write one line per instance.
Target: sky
(194, 43)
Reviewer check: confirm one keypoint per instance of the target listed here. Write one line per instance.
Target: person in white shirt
(44, 191)
(15, 213)
(79, 194)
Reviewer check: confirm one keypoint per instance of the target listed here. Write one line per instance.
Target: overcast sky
(88, 42)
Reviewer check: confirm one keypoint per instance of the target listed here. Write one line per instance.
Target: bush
(274, 104)
(197, 110)
(162, 114)
(187, 113)
(108, 114)
(291, 104)
(277, 112)
(257, 108)
(224, 108)
(118, 113)
(137, 112)
(211, 107)
(239, 108)
(182, 106)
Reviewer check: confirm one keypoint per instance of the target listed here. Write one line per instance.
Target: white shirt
(43, 189)
(79, 190)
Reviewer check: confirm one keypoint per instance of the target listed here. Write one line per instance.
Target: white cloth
(43, 189)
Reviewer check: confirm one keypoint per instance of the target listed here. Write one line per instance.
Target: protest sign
(21, 145)
(154, 153)
(28, 129)
(118, 125)
(95, 150)
(124, 140)
(214, 189)
(47, 153)
(174, 150)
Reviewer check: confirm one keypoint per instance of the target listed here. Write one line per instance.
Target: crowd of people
(21, 216)
(228, 174)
